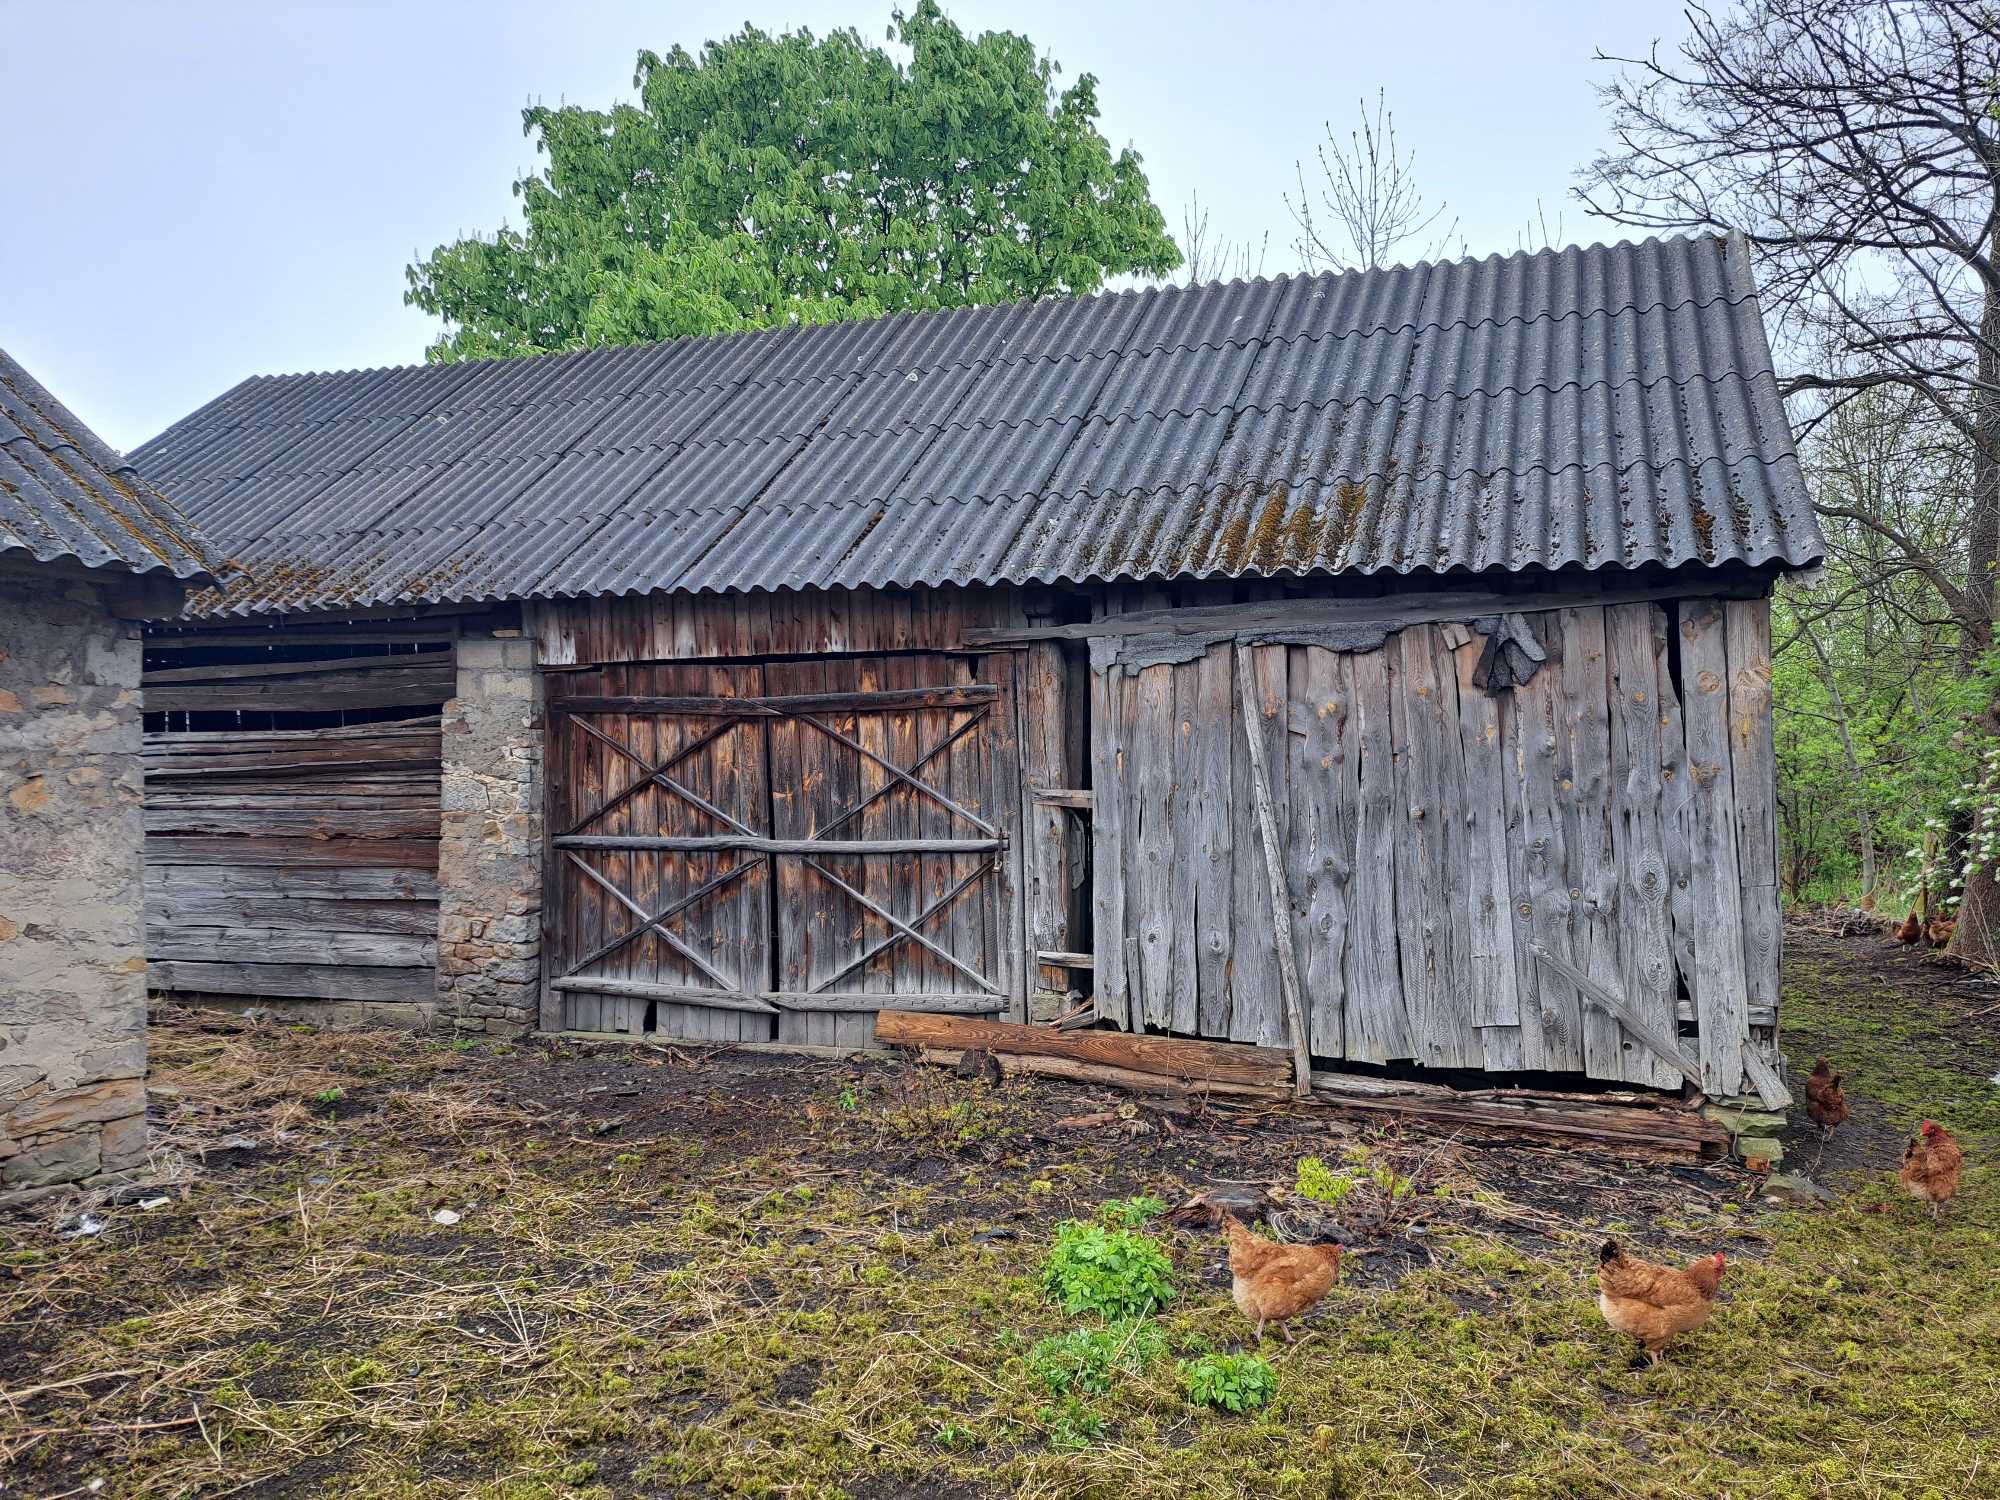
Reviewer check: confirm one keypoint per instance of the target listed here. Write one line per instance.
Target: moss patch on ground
(739, 1277)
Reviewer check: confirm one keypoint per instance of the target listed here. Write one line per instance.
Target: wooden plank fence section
(1435, 837)
(294, 863)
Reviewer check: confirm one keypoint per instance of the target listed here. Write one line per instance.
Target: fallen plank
(1155, 1056)
(1031, 1065)
(1640, 1127)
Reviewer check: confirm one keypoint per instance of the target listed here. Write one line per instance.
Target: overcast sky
(209, 189)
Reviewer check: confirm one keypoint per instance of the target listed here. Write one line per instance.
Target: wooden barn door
(777, 851)
(659, 900)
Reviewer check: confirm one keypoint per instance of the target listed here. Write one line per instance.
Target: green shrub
(1234, 1382)
(1115, 1273)
(1321, 1183)
(1130, 1213)
(1088, 1359)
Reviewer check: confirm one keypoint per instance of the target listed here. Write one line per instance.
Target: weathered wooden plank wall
(1437, 834)
(294, 863)
(678, 627)
(773, 850)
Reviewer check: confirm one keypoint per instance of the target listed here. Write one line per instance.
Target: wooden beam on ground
(1639, 1127)
(1191, 1062)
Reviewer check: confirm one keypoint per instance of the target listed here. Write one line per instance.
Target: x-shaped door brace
(656, 774)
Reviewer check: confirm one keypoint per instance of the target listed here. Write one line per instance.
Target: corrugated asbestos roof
(65, 494)
(1603, 407)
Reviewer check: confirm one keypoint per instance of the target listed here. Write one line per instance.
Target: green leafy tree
(796, 178)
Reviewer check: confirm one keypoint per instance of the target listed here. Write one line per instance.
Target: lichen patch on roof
(1610, 407)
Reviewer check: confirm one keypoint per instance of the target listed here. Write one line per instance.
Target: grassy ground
(737, 1276)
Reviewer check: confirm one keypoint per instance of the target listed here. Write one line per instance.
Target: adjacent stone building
(87, 549)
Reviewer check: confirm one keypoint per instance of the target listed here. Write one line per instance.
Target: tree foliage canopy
(801, 179)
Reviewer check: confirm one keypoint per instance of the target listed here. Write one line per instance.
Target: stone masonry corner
(490, 842)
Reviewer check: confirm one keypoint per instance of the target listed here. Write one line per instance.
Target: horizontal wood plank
(293, 981)
(399, 687)
(889, 700)
(279, 945)
(1167, 1056)
(752, 843)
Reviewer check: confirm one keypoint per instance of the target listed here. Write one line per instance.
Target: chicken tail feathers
(1609, 1253)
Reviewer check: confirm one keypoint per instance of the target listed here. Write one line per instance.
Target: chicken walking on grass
(1932, 1165)
(1274, 1283)
(1651, 1302)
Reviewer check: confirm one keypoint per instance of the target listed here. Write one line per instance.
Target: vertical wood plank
(1001, 903)
(1494, 982)
(1048, 760)
(1584, 793)
(1152, 838)
(1212, 920)
(1188, 752)
(1753, 768)
(1424, 878)
(1320, 836)
(1378, 1024)
(1720, 989)
(1633, 633)
(1257, 1011)
(1552, 1033)
(1676, 804)
(1110, 982)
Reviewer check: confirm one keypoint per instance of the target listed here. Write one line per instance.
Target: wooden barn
(1387, 650)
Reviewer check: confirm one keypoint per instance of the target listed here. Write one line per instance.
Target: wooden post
(1274, 865)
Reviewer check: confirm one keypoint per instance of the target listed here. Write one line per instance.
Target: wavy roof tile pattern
(65, 495)
(1608, 407)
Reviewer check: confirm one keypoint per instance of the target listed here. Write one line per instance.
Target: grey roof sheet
(1608, 407)
(64, 494)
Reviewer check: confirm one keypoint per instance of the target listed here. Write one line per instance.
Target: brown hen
(1909, 930)
(1826, 1101)
(1651, 1302)
(1932, 1165)
(1274, 1283)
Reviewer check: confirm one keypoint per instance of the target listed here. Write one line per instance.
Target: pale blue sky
(209, 189)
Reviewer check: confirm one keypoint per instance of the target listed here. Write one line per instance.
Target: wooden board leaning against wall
(292, 773)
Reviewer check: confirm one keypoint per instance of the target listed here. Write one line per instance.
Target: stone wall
(490, 845)
(72, 958)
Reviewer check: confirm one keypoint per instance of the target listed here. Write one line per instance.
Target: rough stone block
(70, 1110)
(122, 1143)
(1744, 1122)
(62, 1158)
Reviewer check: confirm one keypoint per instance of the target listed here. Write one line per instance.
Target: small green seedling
(1130, 1213)
(1230, 1382)
(1088, 1360)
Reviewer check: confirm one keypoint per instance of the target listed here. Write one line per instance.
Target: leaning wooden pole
(1274, 867)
